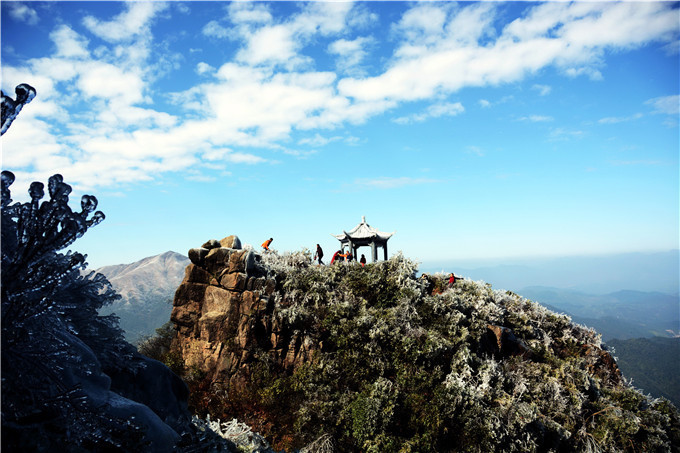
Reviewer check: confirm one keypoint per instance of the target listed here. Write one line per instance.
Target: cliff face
(223, 312)
(375, 359)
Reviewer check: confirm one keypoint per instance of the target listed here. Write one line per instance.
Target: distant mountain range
(622, 314)
(604, 274)
(147, 288)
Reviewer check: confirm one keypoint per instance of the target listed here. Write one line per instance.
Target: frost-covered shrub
(410, 365)
(218, 436)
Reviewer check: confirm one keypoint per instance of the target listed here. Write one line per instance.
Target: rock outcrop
(224, 315)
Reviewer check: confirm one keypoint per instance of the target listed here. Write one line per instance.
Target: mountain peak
(146, 287)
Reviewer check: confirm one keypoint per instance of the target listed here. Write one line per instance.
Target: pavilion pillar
(385, 249)
(374, 252)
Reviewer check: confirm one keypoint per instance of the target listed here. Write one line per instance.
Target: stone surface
(223, 316)
(231, 242)
(501, 341)
(197, 255)
(211, 244)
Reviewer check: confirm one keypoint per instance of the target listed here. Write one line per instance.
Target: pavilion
(364, 235)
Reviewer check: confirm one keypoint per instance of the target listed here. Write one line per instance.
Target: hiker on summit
(319, 254)
(452, 279)
(265, 244)
(363, 260)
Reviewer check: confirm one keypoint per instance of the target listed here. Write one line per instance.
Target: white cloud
(562, 134)
(433, 111)
(215, 30)
(203, 68)
(619, 119)
(269, 104)
(668, 105)
(543, 90)
(593, 73)
(128, 24)
(275, 44)
(69, 43)
(423, 24)
(484, 103)
(244, 158)
(249, 12)
(280, 43)
(300, 154)
(318, 140)
(23, 13)
(571, 36)
(103, 80)
(536, 118)
(350, 52)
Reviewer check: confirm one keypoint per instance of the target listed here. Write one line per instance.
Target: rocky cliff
(375, 359)
(223, 312)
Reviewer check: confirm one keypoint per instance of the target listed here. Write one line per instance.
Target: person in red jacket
(265, 244)
(452, 279)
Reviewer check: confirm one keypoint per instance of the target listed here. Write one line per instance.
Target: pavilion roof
(364, 231)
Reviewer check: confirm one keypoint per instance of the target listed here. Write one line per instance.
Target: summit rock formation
(223, 312)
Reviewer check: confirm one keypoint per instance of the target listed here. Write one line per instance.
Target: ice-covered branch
(11, 107)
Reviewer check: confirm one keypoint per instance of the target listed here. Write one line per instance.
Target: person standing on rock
(452, 279)
(265, 244)
(363, 260)
(319, 254)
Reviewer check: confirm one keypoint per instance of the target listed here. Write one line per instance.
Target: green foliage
(158, 347)
(406, 366)
(647, 361)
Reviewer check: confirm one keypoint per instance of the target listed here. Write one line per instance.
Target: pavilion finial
(363, 219)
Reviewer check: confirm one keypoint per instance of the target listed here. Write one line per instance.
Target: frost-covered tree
(54, 344)
(70, 382)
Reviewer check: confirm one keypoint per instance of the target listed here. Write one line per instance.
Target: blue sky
(478, 131)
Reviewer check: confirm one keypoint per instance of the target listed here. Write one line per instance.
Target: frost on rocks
(11, 107)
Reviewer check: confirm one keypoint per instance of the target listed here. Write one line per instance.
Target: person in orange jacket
(265, 244)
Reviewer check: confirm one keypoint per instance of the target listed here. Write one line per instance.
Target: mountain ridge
(146, 287)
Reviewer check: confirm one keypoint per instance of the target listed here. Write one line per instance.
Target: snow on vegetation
(408, 363)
